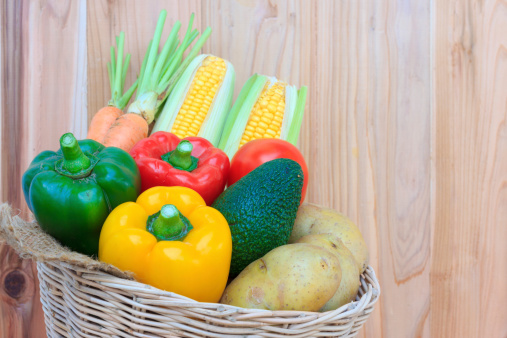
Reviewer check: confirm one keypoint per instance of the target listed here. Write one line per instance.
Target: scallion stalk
(117, 71)
(160, 70)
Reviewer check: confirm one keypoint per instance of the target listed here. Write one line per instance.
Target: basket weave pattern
(81, 303)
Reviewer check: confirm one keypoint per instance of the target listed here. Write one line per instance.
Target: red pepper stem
(168, 223)
(74, 160)
(181, 157)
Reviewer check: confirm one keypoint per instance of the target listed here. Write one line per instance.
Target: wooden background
(405, 131)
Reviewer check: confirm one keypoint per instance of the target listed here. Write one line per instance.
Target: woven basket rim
(87, 303)
(368, 279)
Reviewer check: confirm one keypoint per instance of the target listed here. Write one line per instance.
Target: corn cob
(198, 104)
(265, 108)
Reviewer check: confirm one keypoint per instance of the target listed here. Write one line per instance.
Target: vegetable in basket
(315, 273)
(350, 281)
(261, 209)
(200, 101)
(170, 239)
(259, 151)
(165, 160)
(72, 191)
(108, 121)
(300, 277)
(314, 219)
(265, 108)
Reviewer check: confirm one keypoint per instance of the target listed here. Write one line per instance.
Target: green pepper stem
(168, 224)
(74, 160)
(181, 157)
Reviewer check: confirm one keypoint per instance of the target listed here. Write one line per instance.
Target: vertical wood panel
(371, 112)
(3, 136)
(469, 266)
(43, 96)
(11, 88)
(399, 143)
(44, 87)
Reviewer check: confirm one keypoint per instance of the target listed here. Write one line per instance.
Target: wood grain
(469, 266)
(369, 137)
(20, 307)
(404, 131)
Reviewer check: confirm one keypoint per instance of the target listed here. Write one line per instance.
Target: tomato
(259, 151)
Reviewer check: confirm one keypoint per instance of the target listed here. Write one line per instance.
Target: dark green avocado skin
(261, 210)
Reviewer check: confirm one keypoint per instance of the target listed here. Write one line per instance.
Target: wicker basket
(81, 303)
(83, 297)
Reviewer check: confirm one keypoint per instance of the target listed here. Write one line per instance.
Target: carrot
(117, 71)
(126, 131)
(102, 121)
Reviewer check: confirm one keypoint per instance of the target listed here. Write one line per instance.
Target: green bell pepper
(72, 191)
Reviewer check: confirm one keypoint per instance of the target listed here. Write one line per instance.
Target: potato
(314, 219)
(349, 284)
(300, 277)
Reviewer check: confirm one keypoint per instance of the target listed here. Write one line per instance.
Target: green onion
(117, 71)
(160, 70)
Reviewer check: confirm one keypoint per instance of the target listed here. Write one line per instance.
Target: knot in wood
(14, 284)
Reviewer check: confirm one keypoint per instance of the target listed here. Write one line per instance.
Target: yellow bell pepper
(170, 239)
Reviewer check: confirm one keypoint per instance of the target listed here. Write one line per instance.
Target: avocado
(261, 210)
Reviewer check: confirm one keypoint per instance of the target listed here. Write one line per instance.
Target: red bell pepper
(193, 162)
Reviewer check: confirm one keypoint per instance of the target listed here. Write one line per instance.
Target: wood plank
(469, 269)
(376, 122)
(44, 91)
(107, 19)
(11, 99)
(398, 144)
(3, 44)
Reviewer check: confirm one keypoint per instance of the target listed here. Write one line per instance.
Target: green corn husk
(212, 125)
(241, 111)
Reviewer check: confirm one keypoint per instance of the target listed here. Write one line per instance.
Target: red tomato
(257, 152)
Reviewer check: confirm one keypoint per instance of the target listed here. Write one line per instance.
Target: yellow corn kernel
(200, 96)
(266, 117)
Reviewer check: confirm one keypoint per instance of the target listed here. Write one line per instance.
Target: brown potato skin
(301, 277)
(313, 219)
(349, 284)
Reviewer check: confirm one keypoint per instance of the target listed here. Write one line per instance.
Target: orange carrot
(126, 131)
(102, 121)
(107, 116)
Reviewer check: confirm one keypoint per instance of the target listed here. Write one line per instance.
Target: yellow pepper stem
(168, 224)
